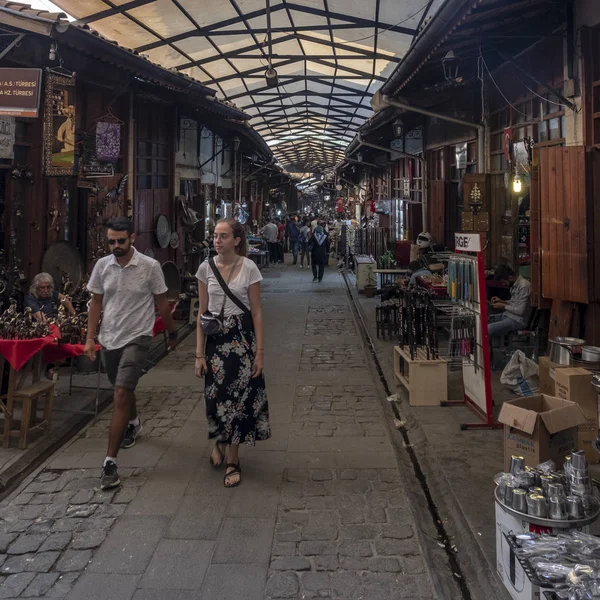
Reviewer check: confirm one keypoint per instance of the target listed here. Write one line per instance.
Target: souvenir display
(21, 326)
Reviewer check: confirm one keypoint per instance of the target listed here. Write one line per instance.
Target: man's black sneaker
(110, 476)
(131, 435)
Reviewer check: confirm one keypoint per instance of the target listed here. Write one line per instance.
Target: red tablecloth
(19, 352)
(55, 353)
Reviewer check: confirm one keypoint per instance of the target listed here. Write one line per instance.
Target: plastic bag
(520, 375)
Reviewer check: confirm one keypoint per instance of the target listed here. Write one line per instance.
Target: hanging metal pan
(163, 231)
(62, 260)
(172, 279)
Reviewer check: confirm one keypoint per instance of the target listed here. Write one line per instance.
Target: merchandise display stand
(466, 288)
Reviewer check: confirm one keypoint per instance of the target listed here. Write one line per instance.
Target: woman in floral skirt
(232, 361)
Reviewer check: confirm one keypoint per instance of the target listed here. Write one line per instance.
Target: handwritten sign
(20, 92)
(467, 242)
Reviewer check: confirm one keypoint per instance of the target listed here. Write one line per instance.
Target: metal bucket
(561, 349)
(590, 353)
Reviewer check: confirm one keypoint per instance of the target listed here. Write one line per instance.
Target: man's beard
(119, 252)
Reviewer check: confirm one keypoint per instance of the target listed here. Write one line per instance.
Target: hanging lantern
(517, 185)
(398, 128)
(450, 64)
(272, 78)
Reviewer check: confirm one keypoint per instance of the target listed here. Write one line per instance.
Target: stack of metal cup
(578, 475)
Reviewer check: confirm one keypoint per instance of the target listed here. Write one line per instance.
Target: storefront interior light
(517, 185)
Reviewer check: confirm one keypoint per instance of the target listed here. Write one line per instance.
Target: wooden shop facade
(491, 123)
(90, 130)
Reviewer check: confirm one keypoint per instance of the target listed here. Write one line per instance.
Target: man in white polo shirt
(126, 285)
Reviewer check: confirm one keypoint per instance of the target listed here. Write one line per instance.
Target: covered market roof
(330, 57)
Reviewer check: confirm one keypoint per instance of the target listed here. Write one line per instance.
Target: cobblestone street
(321, 511)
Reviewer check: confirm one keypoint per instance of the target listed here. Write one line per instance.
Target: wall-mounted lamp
(359, 157)
(450, 64)
(398, 128)
(236, 143)
(517, 185)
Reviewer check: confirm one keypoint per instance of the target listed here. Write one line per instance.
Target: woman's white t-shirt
(247, 275)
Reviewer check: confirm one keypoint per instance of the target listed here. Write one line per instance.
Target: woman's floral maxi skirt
(236, 405)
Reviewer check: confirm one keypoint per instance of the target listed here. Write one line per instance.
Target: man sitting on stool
(44, 300)
(517, 309)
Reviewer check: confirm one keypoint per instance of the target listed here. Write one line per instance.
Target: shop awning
(330, 56)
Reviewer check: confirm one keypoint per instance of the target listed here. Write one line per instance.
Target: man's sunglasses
(120, 240)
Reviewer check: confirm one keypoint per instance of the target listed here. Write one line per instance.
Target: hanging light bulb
(517, 185)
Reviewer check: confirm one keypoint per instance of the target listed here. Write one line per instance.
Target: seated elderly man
(44, 300)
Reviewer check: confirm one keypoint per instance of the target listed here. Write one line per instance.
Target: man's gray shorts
(124, 366)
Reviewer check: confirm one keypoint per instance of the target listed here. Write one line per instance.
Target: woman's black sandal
(217, 465)
(234, 469)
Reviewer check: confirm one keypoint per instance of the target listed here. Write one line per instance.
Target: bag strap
(225, 286)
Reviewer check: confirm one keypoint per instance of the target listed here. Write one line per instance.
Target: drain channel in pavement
(443, 537)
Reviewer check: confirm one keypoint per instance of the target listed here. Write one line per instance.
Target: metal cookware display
(172, 279)
(596, 386)
(590, 353)
(163, 231)
(561, 349)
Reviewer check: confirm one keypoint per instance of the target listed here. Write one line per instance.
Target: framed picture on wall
(59, 125)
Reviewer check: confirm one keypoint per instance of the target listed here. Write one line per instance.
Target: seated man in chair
(44, 300)
(517, 310)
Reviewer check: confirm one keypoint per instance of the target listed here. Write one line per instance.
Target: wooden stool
(28, 396)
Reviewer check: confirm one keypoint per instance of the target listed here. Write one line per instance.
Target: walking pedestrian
(231, 355)
(271, 233)
(293, 233)
(319, 251)
(280, 240)
(125, 285)
(304, 241)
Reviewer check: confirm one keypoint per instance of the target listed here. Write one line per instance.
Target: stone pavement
(321, 512)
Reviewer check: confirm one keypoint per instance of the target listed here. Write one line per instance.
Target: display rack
(472, 297)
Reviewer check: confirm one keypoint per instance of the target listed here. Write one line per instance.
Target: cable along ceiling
(330, 57)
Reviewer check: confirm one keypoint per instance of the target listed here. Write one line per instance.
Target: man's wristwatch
(172, 335)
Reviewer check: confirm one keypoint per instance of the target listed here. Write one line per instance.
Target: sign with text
(467, 242)
(20, 91)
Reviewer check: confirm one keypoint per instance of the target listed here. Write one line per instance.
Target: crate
(426, 380)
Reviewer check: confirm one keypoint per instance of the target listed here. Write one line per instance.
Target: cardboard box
(575, 385)
(540, 428)
(547, 374)
(508, 567)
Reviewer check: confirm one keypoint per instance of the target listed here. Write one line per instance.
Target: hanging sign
(467, 242)
(507, 143)
(20, 91)
(7, 137)
(406, 189)
(59, 126)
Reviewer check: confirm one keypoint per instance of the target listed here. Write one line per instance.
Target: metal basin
(561, 349)
(590, 353)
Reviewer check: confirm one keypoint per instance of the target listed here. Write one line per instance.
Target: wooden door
(564, 222)
(436, 210)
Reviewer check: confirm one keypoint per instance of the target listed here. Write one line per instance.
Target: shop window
(554, 129)
(542, 132)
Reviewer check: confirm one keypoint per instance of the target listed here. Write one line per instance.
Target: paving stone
(74, 560)
(398, 532)
(96, 586)
(125, 495)
(397, 547)
(81, 510)
(178, 564)
(315, 582)
(16, 525)
(413, 565)
(41, 585)
(63, 525)
(318, 548)
(223, 582)
(389, 565)
(129, 547)
(357, 532)
(41, 526)
(23, 498)
(325, 563)
(319, 532)
(286, 532)
(350, 516)
(56, 541)
(13, 585)
(63, 585)
(291, 563)
(85, 540)
(27, 543)
(283, 585)
(6, 539)
(31, 563)
(82, 497)
(346, 584)
(244, 541)
(353, 563)
(356, 549)
(284, 549)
